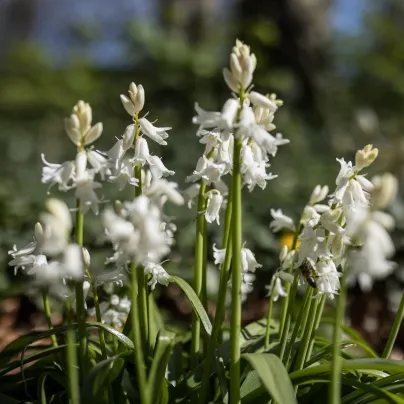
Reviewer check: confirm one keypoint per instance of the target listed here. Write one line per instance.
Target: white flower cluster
(75, 174)
(138, 229)
(348, 232)
(248, 267)
(115, 311)
(249, 117)
(50, 257)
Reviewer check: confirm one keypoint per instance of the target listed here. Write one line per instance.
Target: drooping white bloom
(157, 168)
(124, 174)
(262, 101)
(207, 170)
(154, 133)
(281, 221)
(319, 194)
(213, 204)
(73, 262)
(158, 275)
(248, 261)
(310, 216)
(248, 127)
(219, 255)
(327, 278)
(57, 225)
(191, 193)
(85, 185)
(99, 163)
(142, 153)
(384, 191)
(162, 188)
(276, 288)
(62, 174)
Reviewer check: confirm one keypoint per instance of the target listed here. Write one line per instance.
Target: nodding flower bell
(213, 204)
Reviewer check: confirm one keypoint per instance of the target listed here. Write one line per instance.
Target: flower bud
(72, 128)
(93, 134)
(73, 262)
(242, 66)
(86, 257)
(230, 80)
(262, 101)
(133, 92)
(283, 253)
(60, 210)
(128, 105)
(384, 192)
(39, 234)
(319, 193)
(365, 157)
(140, 98)
(128, 137)
(84, 114)
(118, 207)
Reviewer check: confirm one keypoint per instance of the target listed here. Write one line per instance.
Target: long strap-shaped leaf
(273, 375)
(24, 341)
(162, 353)
(196, 303)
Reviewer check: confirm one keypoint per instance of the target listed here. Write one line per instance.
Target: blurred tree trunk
(17, 19)
(302, 33)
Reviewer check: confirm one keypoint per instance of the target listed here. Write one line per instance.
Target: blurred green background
(338, 65)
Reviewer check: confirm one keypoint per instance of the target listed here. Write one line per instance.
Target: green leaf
(22, 342)
(360, 365)
(327, 351)
(196, 303)
(162, 353)
(101, 376)
(252, 388)
(273, 375)
(31, 358)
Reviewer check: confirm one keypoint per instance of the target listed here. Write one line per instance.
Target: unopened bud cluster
(78, 125)
(135, 103)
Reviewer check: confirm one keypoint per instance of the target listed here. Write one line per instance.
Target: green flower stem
(319, 314)
(221, 301)
(288, 318)
(137, 340)
(98, 315)
(198, 271)
(72, 368)
(301, 320)
(235, 323)
(394, 330)
(142, 307)
(48, 315)
(141, 277)
(269, 318)
(204, 292)
(335, 388)
(152, 334)
(308, 322)
(285, 301)
(80, 309)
